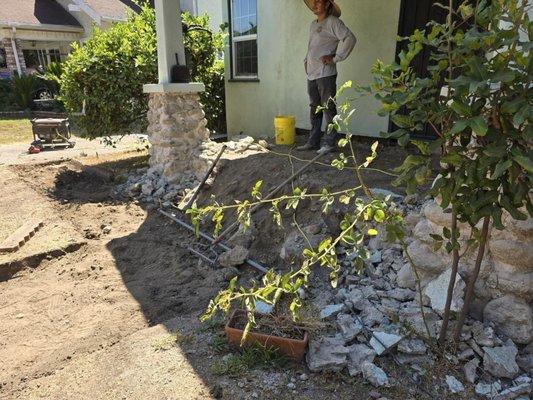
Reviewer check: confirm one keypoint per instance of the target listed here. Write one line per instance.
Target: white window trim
(235, 39)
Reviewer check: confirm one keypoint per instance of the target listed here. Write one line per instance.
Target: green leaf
(379, 216)
(461, 109)
(478, 125)
(503, 76)
(372, 232)
(256, 190)
(500, 169)
(402, 121)
(525, 162)
(478, 70)
(459, 126)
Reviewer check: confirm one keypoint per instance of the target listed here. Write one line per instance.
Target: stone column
(178, 134)
(11, 61)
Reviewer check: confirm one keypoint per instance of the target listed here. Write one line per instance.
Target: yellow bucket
(284, 127)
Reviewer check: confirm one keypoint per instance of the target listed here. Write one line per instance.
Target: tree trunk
(451, 285)
(473, 278)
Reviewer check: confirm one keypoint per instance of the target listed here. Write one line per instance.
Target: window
(244, 38)
(34, 58)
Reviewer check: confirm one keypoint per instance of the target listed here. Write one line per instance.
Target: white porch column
(169, 37)
(181, 151)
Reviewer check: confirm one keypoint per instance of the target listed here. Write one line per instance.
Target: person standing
(330, 42)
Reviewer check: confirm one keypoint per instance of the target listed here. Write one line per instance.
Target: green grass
(15, 131)
(248, 358)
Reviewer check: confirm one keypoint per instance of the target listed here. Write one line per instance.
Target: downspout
(15, 52)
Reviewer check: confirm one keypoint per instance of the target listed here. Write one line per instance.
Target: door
(415, 14)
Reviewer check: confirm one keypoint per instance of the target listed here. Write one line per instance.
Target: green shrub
(5, 94)
(203, 48)
(108, 72)
(23, 90)
(52, 77)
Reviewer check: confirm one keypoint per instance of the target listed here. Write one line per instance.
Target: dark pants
(320, 92)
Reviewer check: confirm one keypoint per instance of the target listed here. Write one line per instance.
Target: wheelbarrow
(50, 132)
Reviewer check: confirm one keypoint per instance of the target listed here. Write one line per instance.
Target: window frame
(233, 62)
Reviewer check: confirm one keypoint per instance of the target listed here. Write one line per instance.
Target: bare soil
(117, 318)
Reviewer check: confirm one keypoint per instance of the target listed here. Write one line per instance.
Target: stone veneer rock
(179, 137)
(506, 277)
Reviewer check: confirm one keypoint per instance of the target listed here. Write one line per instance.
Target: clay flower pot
(291, 348)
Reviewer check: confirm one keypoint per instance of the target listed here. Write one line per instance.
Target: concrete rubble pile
(378, 314)
(165, 186)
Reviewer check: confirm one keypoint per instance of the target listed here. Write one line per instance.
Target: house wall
(283, 28)
(212, 7)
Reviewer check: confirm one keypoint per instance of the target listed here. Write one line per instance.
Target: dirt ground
(17, 153)
(117, 316)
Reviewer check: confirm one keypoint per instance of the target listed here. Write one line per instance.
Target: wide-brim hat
(335, 9)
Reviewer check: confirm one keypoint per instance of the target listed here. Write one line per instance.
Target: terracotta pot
(292, 348)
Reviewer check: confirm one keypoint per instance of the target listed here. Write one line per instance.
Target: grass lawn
(15, 131)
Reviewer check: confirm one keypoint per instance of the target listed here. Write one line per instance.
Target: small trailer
(51, 132)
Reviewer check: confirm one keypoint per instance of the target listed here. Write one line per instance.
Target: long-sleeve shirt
(327, 37)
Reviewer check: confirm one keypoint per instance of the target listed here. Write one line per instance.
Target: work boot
(307, 146)
(325, 149)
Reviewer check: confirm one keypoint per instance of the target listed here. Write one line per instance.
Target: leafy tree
(105, 75)
(483, 123)
(483, 120)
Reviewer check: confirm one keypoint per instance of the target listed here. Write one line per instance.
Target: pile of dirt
(119, 317)
(236, 178)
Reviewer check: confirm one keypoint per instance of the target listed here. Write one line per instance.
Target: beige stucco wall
(283, 28)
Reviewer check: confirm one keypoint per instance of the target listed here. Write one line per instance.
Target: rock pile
(378, 313)
(504, 290)
(158, 185)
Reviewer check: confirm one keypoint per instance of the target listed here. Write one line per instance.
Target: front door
(415, 14)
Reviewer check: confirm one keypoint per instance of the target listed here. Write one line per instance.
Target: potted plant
(268, 331)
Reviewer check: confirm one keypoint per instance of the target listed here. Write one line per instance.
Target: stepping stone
(17, 239)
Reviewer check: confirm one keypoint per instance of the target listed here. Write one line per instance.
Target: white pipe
(15, 52)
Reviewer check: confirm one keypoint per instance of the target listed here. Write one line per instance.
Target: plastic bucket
(285, 131)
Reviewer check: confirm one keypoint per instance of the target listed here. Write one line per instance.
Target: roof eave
(42, 27)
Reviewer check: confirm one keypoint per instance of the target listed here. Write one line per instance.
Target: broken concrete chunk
(515, 391)
(359, 353)
(375, 375)
(233, 257)
(383, 193)
(470, 370)
(382, 342)
(350, 326)
(295, 243)
(501, 361)
(327, 354)
(488, 389)
(412, 346)
(465, 354)
(331, 310)
(375, 257)
(454, 385)
(401, 294)
(484, 336)
(371, 315)
(437, 291)
(512, 316)
(263, 308)
(412, 316)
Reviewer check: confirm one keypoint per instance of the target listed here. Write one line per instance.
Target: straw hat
(335, 9)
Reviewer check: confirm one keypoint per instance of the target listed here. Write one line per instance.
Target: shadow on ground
(172, 288)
